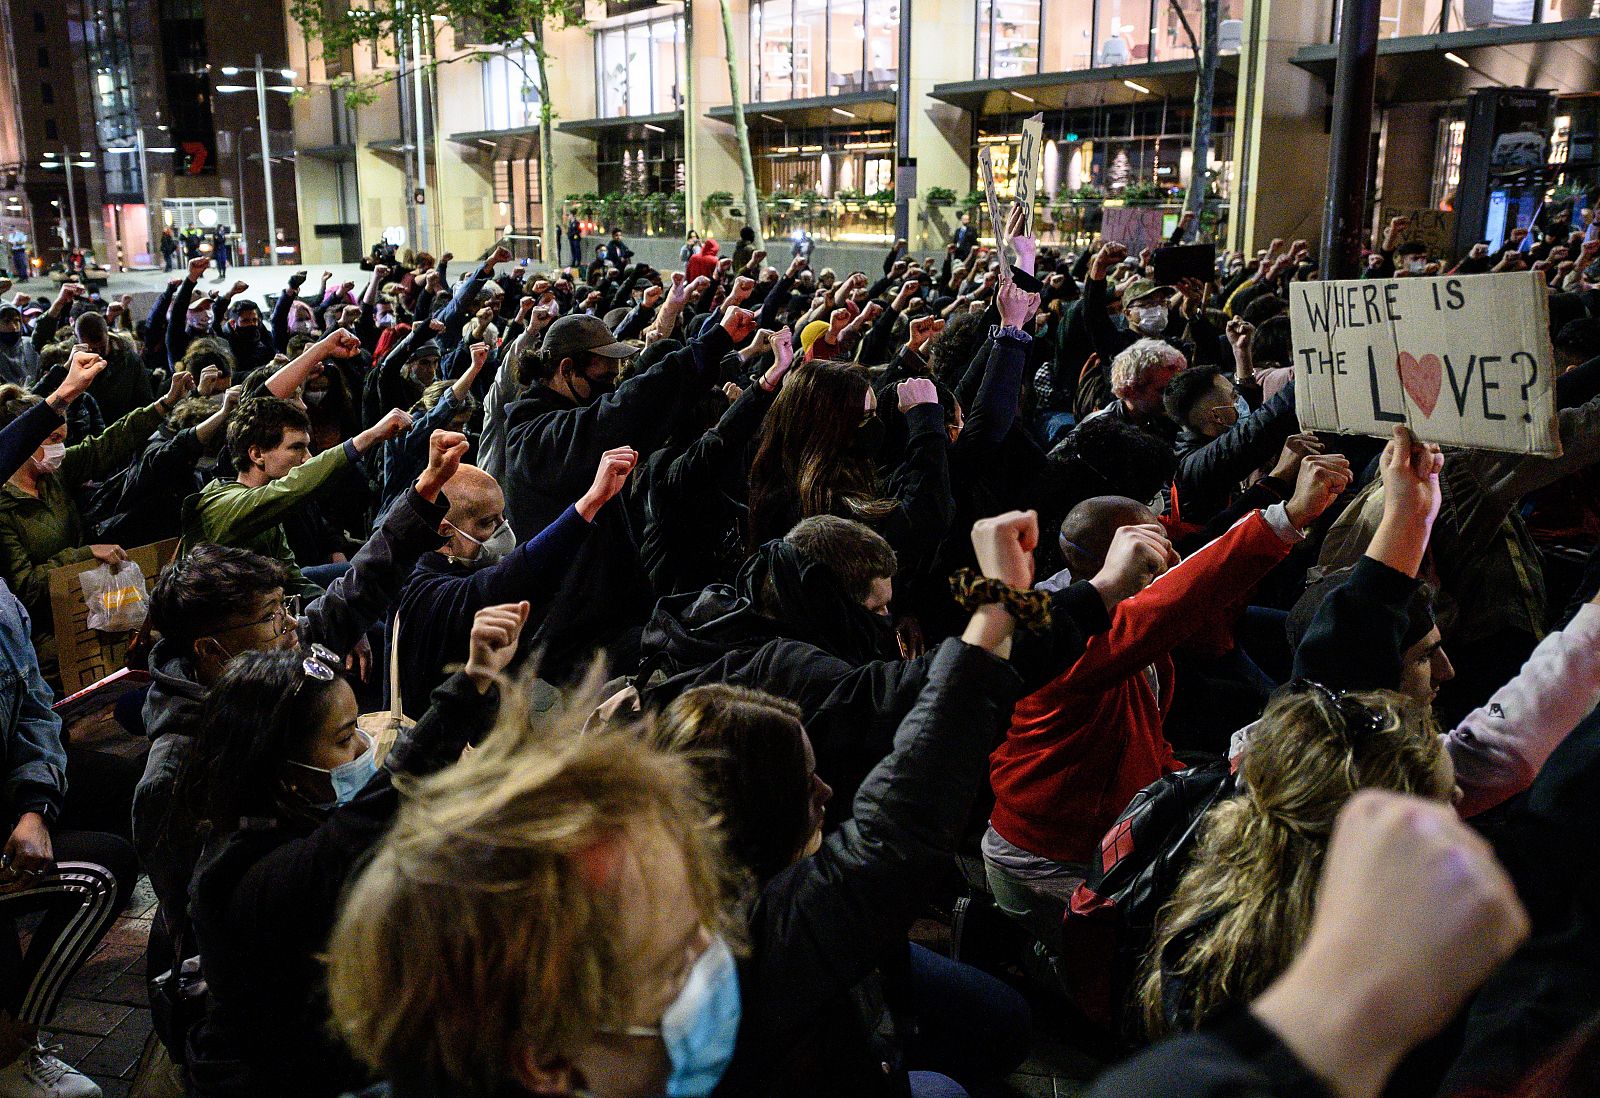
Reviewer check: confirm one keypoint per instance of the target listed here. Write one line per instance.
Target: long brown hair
(1243, 907)
(804, 463)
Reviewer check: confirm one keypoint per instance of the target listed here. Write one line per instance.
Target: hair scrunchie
(1031, 609)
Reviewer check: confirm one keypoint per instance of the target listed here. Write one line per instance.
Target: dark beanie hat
(1418, 610)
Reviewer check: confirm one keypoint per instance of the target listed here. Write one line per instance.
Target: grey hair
(1135, 364)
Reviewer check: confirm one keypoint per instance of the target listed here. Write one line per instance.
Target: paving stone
(118, 1055)
(127, 988)
(88, 1017)
(74, 1046)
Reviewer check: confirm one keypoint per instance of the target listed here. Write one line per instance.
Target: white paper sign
(1028, 156)
(1462, 361)
(986, 169)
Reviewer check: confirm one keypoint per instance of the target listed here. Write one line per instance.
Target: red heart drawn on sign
(1422, 377)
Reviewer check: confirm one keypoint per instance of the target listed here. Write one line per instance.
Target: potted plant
(1142, 193)
(940, 196)
(1088, 193)
(974, 199)
(716, 201)
(881, 198)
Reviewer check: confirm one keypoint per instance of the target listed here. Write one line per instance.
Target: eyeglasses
(285, 616)
(1356, 718)
(319, 665)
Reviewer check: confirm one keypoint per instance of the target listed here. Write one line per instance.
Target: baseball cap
(579, 334)
(1142, 288)
(10, 312)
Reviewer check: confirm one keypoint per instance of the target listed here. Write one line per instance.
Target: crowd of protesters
(581, 681)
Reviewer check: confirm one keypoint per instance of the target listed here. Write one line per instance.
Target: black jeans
(94, 874)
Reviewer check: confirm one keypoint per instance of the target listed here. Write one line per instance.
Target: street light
(261, 87)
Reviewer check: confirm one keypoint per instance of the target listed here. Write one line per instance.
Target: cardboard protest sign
(1027, 173)
(1462, 361)
(986, 170)
(1136, 227)
(1434, 229)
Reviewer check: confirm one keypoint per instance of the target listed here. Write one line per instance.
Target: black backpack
(1146, 850)
(1142, 856)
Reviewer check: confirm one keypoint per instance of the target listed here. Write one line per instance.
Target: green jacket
(226, 512)
(40, 533)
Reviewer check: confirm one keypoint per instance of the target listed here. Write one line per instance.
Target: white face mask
(492, 548)
(315, 397)
(54, 452)
(1150, 319)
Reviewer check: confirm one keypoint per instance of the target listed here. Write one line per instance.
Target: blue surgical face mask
(1241, 405)
(701, 1025)
(349, 778)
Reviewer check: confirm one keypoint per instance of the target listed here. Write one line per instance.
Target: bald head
(471, 492)
(1087, 530)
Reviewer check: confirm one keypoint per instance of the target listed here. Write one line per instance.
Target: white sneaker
(37, 1073)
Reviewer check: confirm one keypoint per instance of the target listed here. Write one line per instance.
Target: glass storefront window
(510, 98)
(1403, 18)
(806, 49)
(638, 67)
(1171, 42)
(883, 43)
(1124, 32)
(1009, 38)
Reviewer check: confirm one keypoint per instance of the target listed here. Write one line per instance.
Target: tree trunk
(752, 201)
(691, 138)
(1205, 86)
(550, 245)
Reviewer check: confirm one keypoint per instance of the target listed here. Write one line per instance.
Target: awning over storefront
(343, 153)
(636, 127)
(1098, 87)
(390, 148)
(830, 110)
(521, 143)
(1562, 56)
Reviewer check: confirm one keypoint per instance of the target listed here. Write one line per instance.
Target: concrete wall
(942, 42)
(1280, 149)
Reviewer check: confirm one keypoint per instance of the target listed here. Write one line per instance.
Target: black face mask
(10, 339)
(598, 389)
(868, 439)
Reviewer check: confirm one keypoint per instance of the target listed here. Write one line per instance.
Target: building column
(1280, 143)
(942, 43)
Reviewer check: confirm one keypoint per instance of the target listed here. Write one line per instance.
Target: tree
(488, 25)
(1205, 87)
(752, 201)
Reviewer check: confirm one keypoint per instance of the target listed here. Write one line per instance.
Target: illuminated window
(639, 67)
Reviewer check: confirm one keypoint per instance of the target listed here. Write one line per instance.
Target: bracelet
(1031, 609)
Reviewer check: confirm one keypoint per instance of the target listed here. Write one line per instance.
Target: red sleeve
(1179, 604)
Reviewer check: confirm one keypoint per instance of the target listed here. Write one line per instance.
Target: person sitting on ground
(443, 406)
(1081, 747)
(40, 526)
(596, 841)
(293, 794)
(78, 879)
(216, 602)
(1221, 441)
(143, 503)
(573, 412)
(1413, 893)
(834, 907)
(481, 564)
(815, 456)
(268, 441)
(122, 386)
(1139, 378)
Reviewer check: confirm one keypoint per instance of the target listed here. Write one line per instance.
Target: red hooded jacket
(704, 263)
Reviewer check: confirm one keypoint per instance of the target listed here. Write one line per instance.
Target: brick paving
(104, 1017)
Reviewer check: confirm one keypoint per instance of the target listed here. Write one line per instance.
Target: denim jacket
(35, 763)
